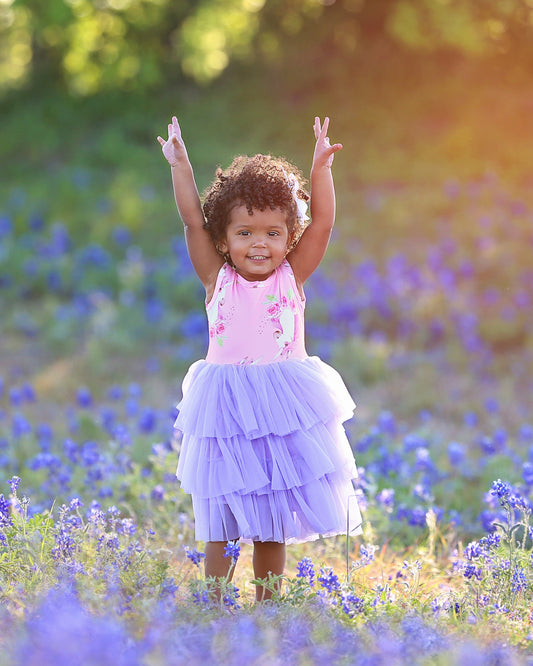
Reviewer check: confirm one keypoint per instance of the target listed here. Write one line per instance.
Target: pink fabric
(255, 322)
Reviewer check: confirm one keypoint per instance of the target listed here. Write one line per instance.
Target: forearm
(322, 197)
(186, 194)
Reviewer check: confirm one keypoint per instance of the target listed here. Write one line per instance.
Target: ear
(222, 246)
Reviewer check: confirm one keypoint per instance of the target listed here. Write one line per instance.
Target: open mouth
(258, 257)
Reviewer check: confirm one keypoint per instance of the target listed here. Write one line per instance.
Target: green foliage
(138, 44)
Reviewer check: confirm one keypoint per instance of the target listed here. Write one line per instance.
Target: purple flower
(471, 571)
(158, 493)
(65, 546)
(519, 580)
(351, 604)
(527, 473)
(386, 497)
(230, 597)
(194, 556)
(14, 483)
(84, 397)
(456, 453)
(306, 570)
(5, 518)
(232, 550)
(201, 597)
(500, 489)
(328, 580)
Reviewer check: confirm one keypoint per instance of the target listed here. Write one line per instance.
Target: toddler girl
(264, 453)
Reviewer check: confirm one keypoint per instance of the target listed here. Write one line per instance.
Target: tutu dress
(263, 452)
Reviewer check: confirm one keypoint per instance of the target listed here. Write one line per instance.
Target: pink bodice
(255, 322)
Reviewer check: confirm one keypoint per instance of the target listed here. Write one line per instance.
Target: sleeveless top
(255, 322)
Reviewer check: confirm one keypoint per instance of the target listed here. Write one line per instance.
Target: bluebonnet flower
(16, 396)
(84, 397)
(351, 604)
(517, 501)
(456, 453)
(527, 473)
(412, 442)
(20, 426)
(366, 554)
(519, 580)
(492, 405)
(132, 406)
(386, 497)
(62, 632)
(201, 597)
(471, 571)
(14, 484)
(147, 421)
(127, 526)
(158, 493)
(487, 444)
(526, 432)
(115, 393)
(470, 419)
(416, 516)
(306, 570)
(194, 555)
(6, 226)
(328, 580)
(45, 435)
(90, 454)
(135, 390)
(5, 518)
(500, 489)
(491, 540)
(28, 393)
(232, 594)
(121, 235)
(233, 550)
(65, 546)
(387, 422)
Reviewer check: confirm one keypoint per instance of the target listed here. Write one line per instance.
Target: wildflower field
(424, 306)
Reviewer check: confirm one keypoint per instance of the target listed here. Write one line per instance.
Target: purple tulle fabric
(264, 453)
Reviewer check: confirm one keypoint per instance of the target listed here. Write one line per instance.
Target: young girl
(264, 453)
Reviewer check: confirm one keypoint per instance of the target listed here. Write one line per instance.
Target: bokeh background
(424, 300)
(432, 253)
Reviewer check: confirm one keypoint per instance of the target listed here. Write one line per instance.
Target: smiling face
(257, 243)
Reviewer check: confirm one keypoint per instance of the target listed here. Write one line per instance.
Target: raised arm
(204, 257)
(308, 254)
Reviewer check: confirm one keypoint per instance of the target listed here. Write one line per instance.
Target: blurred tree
(93, 45)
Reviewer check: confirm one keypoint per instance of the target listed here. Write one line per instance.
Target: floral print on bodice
(255, 322)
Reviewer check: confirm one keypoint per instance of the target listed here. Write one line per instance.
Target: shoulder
(288, 272)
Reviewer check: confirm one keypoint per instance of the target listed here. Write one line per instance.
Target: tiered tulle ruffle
(264, 454)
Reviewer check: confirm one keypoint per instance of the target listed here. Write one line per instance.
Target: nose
(259, 242)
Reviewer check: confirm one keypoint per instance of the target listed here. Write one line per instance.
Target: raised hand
(173, 148)
(324, 152)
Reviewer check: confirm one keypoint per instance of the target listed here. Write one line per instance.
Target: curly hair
(257, 182)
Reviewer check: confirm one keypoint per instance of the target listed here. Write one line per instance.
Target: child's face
(257, 244)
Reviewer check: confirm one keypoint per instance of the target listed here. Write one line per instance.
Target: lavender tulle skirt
(264, 453)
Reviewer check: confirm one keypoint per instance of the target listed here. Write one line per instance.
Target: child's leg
(216, 565)
(269, 557)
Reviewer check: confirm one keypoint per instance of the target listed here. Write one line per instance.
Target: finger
(336, 147)
(325, 126)
(316, 127)
(161, 140)
(176, 126)
(170, 130)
